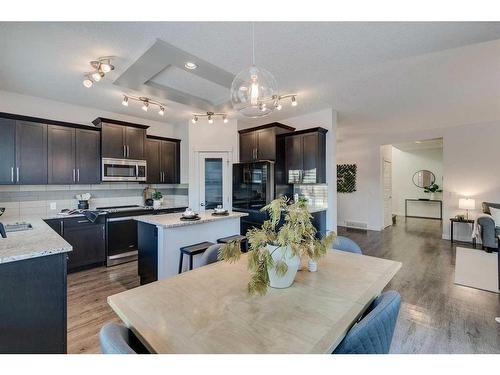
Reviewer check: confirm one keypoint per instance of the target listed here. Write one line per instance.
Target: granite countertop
(173, 220)
(40, 241)
(314, 209)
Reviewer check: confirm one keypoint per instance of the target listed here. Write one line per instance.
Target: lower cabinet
(87, 239)
(33, 310)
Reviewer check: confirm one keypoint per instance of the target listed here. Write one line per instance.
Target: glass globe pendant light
(254, 90)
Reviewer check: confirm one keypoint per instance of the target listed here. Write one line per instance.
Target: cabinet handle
(128, 151)
(78, 174)
(256, 153)
(160, 176)
(11, 174)
(61, 227)
(82, 221)
(103, 233)
(74, 179)
(17, 174)
(124, 152)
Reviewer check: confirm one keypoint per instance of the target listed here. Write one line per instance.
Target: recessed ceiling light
(190, 65)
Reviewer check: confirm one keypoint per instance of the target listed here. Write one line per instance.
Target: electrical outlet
(53, 206)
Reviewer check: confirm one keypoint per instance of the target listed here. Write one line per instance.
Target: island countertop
(174, 220)
(40, 241)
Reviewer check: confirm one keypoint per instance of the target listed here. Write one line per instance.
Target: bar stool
(191, 251)
(237, 237)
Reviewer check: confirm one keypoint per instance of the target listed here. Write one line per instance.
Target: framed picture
(346, 178)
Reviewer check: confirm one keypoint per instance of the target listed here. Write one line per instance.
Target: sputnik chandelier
(146, 103)
(100, 67)
(254, 91)
(210, 117)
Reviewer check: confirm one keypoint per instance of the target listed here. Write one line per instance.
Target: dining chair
(118, 339)
(210, 255)
(346, 244)
(373, 333)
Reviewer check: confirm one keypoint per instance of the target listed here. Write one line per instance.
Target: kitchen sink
(17, 227)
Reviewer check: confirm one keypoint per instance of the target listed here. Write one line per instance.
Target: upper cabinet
(260, 143)
(122, 140)
(7, 151)
(163, 160)
(305, 156)
(73, 155)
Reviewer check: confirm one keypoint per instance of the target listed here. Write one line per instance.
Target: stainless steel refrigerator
(253, 185)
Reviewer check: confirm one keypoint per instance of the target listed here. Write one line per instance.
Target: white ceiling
(404, 75)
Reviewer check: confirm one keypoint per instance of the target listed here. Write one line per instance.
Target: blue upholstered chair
(346, 244)
(373, 333)
(118, 339)
(210, 255)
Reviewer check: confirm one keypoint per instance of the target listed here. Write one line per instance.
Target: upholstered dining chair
(373, 333)
(210, 255)
(118, 339)
(346, 244)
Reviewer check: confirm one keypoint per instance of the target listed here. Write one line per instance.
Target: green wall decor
(346, 178)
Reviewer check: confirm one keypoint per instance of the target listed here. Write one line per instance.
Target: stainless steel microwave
(123, 170)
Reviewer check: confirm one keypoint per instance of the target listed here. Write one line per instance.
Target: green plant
(157, 195)
(297, 233)
(434, 188)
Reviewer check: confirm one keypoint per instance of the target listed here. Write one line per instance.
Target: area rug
(477, 269)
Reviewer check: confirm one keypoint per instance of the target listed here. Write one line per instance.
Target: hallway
(436, 316)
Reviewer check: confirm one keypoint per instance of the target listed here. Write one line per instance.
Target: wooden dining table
(208, 310)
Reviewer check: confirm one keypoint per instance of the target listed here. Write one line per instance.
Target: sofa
(489, 231)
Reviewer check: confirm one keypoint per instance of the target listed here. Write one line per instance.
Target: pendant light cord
(253, 43)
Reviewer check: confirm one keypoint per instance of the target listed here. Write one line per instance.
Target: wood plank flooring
(436, 315)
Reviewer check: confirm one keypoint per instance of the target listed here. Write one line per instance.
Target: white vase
(433, 196)
(156, 204)
(312, 265)
(292, 261)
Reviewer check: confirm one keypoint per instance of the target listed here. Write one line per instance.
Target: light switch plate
(53, 206)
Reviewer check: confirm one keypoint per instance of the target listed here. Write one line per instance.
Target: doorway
(214, 184)
(387, 186)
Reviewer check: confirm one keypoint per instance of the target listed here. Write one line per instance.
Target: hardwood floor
(436, 316)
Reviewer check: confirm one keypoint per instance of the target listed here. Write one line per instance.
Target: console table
(454, 220)
(425, 201)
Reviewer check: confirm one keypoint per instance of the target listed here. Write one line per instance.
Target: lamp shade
(466, 204)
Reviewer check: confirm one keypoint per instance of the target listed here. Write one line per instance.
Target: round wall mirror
(424, 178)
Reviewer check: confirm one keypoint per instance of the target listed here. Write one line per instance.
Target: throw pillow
(495, 214)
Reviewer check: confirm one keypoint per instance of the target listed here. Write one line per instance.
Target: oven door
(119, 170)
(121, 240)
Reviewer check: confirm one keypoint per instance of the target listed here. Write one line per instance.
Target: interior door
(387, 176)
(214, 186)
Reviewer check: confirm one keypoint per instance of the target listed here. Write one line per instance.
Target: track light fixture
(146, 102)
(100, 67)
(210, 117)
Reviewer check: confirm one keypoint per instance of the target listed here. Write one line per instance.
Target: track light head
(87, 82)
(105, 66)
(210, 119)
(125, 101)
(194, 120)
(279, 106)
(294, 101)
(224, 119)
(161, 112)
(145, 106)
(96, 76)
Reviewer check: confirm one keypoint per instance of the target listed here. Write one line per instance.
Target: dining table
(208, 310)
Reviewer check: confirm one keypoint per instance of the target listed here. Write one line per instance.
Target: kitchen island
(160, 238)
(33, 293)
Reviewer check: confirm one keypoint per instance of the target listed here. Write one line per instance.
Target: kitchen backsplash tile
(316, 194)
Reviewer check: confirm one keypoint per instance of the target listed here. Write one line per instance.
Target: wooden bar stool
(237, 237)
(191, 251)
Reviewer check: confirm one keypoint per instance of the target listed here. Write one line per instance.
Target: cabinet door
(88, 156)
(169, 163)
(61, 155)
(293, 159)
(134, 140)
(31, 153)
(266, 144)
(7, 151)
(87, 240)
(113, 141)
(310, 150)
(247, 146)
(153, 152)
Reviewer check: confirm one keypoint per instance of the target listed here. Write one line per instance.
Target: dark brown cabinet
(87, 239)
(122, 140)
(73, 155)
(31, 153)
(7, 151)
(260, 143)
(305, 154)
(163, 156)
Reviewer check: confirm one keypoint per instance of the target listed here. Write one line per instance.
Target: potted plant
(433, 189)
(157, 199)
(274, 256)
